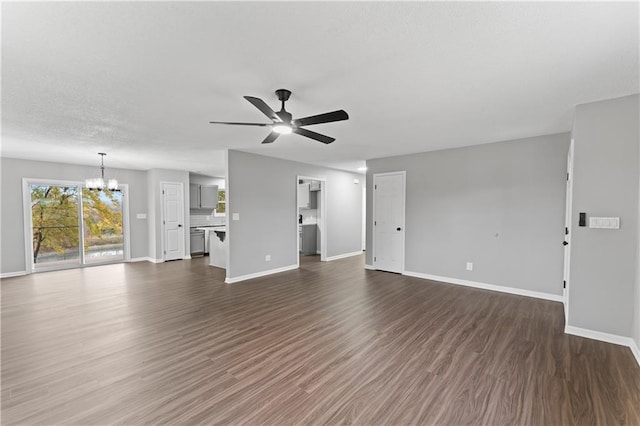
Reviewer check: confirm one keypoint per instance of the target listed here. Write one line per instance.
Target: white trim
(141, 259)
(598, 335)
(13, 274)
(188, 257)
(635, 350)
(342, 256)
(229, 225)
(605, 337)
(403, 173)
(369, 267)
(259, 274)
(485, 286)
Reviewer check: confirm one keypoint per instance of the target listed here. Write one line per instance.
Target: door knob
(179, 226)
(398, 229)
(564, 243)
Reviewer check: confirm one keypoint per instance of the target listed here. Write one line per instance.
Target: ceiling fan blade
(233, 123)
(271, 137)
(314, 135)
(322, 118)
(262, 106)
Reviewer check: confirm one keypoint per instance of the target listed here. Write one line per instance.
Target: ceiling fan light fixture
(283, 129)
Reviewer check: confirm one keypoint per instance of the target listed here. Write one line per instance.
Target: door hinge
(567, 176)
(164, 223)
(163, 192)
(375, 258)
(375, 186)
(375, 223)
(165, 252)
(564, 284)
(566, 231)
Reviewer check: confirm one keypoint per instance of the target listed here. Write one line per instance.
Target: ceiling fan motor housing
(283, 94)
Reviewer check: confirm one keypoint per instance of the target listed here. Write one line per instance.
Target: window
(222, 203)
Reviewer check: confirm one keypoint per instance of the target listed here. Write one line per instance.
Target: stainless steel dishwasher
(197, 241)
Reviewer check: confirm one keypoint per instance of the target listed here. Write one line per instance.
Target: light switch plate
(141, 216)
(235, 216)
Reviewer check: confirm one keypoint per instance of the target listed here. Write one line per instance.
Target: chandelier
(98, 183)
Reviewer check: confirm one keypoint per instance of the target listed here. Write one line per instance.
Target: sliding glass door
(73, 226)
(102, 220)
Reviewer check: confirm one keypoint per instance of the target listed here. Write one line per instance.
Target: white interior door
(388, 221)
(173, 220)
(567, 230)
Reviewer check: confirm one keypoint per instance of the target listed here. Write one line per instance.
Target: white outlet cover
(235, 216)
(141, 216)
(469, 266)
(267, 258)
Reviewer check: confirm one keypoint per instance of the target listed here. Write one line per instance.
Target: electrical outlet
(267, 258)
(469, 266)
(235, 216)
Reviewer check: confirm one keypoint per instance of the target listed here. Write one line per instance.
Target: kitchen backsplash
(202, 220)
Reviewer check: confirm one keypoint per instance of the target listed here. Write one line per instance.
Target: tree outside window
(222, 203)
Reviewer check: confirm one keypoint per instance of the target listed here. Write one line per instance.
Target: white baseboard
(635, 350)
(598, 335)
(12, 274)
(259, 274)
(605, 337)
(485, 286)
(342, 256)
(187, 257)
(370, 267)
(145, 259)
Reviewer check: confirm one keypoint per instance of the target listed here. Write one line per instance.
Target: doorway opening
(70, 226)
(311, 202)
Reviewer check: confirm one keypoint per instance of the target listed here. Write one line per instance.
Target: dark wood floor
(326, 344)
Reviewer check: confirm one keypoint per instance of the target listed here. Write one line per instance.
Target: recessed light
(362, 169)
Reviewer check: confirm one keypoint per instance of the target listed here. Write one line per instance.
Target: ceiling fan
(283, 122)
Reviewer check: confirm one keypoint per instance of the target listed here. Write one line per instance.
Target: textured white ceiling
(141, 80)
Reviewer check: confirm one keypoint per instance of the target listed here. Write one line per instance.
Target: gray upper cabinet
(208, 196)
(194, 196)
(203, 196)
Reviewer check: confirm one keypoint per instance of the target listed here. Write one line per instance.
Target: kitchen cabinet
(203, 196)
(307, 197)
(309, 244)
(303, 195)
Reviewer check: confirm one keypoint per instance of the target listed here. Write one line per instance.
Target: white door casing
(567, 236)
(172, 220)
(389, 221)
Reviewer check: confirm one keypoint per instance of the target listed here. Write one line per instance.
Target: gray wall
(12, 257)
(500, 206)
(263, 191)
(154, 179)
(605, 183)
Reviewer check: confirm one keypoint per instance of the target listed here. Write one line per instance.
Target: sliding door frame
(28, 224)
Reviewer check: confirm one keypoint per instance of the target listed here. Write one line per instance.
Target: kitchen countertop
(217, 228)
